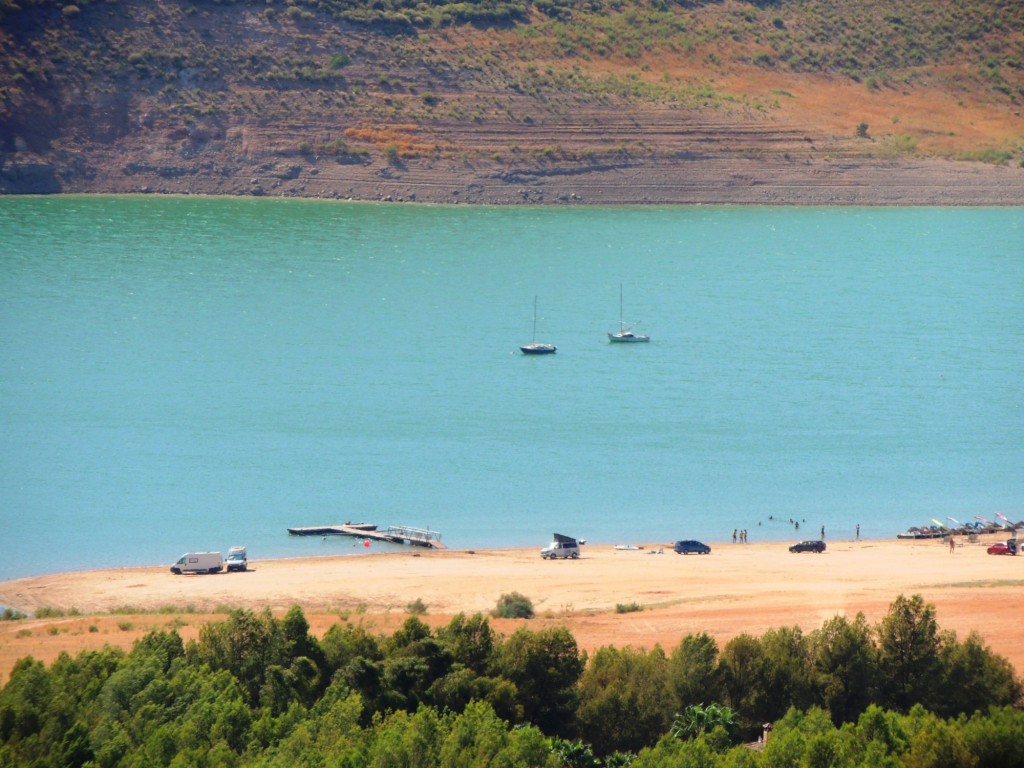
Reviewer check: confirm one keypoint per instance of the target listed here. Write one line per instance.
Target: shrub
(416, 608)
(47, 612)
(628, 608)
(514, 606)
(904, 143)
(993, 156)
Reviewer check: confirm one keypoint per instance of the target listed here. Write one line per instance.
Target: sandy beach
(737, 589)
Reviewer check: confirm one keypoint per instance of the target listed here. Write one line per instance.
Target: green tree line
(257, 690)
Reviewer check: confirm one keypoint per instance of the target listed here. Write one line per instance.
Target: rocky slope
(242, 98)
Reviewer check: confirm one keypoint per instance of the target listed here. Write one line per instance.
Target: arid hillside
(515, 101)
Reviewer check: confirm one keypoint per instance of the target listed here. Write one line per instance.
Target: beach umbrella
(954, 520)
(941, 525)
(986, 522)
(1011, 525)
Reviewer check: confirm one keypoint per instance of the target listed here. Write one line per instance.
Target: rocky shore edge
(692, 180)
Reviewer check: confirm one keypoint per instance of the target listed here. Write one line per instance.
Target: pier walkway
(396, 534)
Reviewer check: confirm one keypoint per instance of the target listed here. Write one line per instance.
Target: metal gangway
(417, 536)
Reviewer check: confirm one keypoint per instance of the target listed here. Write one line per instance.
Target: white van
(237, 559)
(199, 562)
(562, 548)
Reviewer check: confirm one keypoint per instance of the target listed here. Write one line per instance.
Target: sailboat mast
(535, 319)
(622, 325)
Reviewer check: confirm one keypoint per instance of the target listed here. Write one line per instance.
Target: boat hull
(538, 349)
(627, 338)
(346, 529)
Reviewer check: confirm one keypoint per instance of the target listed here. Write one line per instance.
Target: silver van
(562, 548)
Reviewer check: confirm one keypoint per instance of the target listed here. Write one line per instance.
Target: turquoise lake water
(189, 374)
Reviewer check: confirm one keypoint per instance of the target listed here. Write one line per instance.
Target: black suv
(691, 547)
(809, 546)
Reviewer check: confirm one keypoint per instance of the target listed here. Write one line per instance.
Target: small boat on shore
(923, 532)
(939, 529)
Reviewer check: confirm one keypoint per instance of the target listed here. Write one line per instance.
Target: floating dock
(396, 534)
(345, 529)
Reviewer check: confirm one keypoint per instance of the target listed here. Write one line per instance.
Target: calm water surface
(182, 373)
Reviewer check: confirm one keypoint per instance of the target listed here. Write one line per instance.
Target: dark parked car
(809, 546)
(689, 546)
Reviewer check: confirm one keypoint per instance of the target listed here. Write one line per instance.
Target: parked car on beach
(689, 546)
(562, 548)
(809, 546)
(237, 559)
(199, 562)
(1003, 548)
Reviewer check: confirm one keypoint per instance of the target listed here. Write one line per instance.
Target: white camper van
(199, 562)
(237, 559)
(562, 548)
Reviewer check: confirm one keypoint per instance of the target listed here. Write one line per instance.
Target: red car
(999, 548)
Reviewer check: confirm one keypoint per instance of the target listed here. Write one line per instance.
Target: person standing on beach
(858, 531)
(952, 545)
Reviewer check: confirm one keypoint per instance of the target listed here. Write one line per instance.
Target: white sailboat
(625, 335)
(535, 347)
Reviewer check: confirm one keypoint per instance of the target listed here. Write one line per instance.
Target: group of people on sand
(739, 535)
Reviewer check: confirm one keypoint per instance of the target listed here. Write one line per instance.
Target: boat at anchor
(625, 334)
(535, 347)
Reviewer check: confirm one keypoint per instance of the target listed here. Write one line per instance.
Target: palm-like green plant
(697, 719)
(619, 760)
(574, 754)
